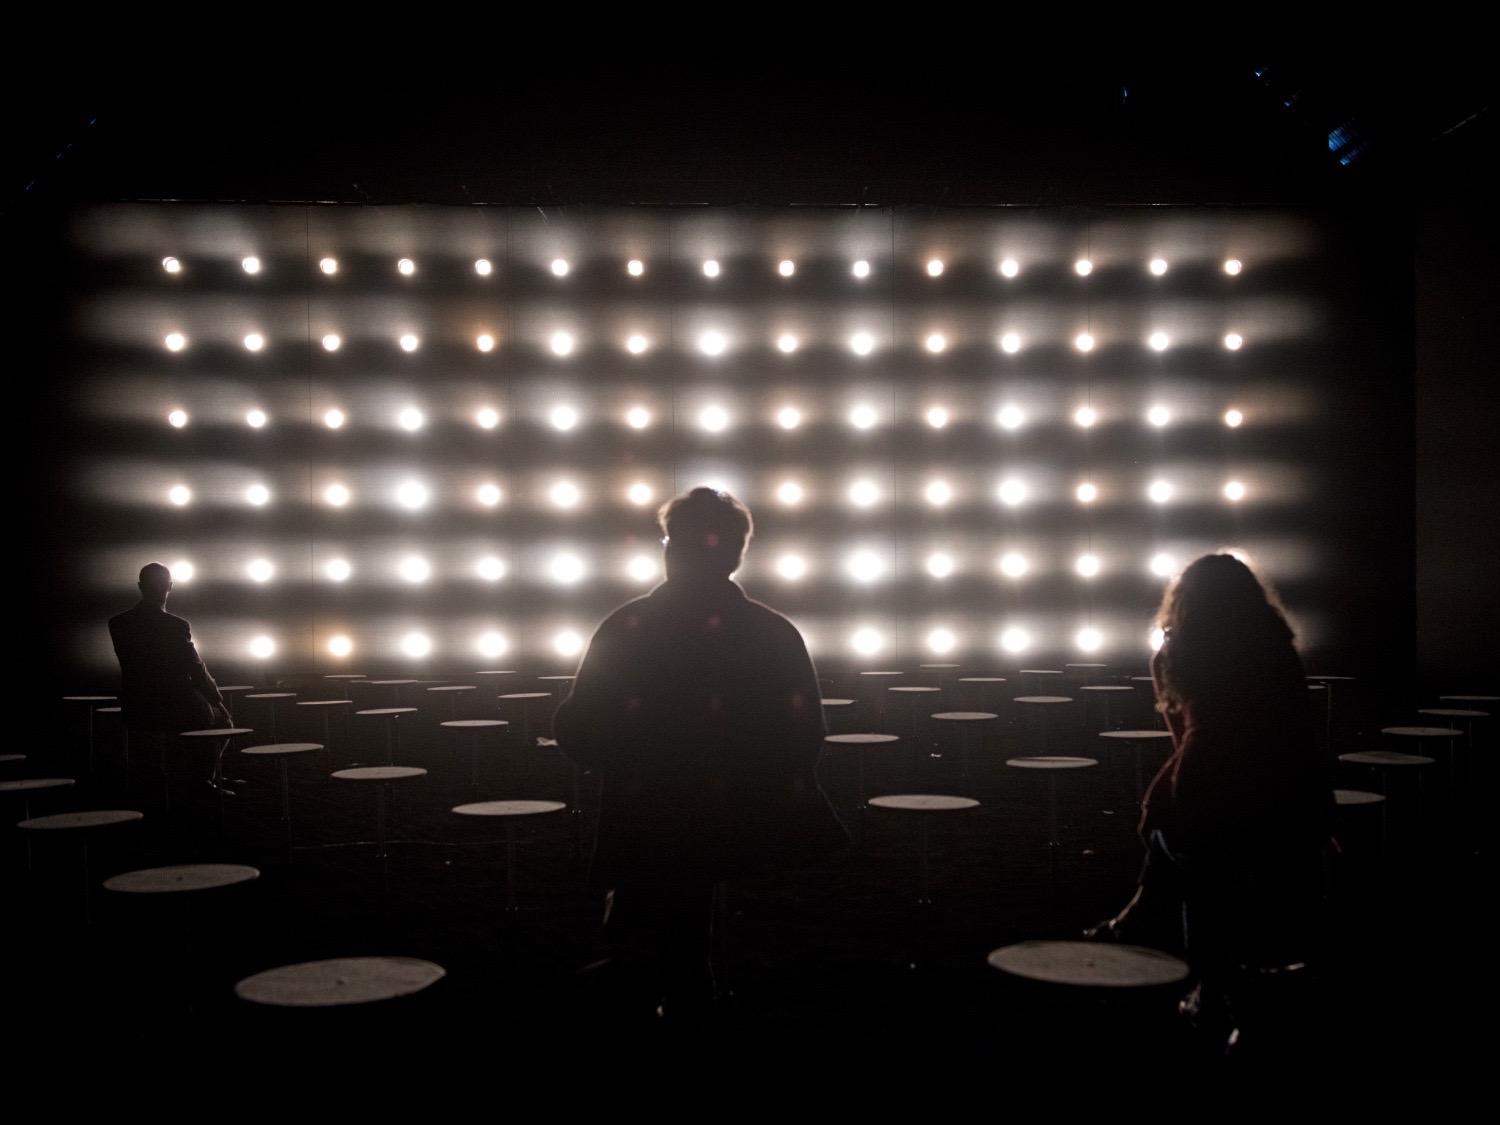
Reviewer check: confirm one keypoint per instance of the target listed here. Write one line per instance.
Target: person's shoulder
(627, 616)
(771, 619)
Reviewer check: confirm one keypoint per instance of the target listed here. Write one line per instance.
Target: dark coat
(164, 685)
(700, 710)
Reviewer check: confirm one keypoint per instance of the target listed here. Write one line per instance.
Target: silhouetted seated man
(700, 710)
(164, 685)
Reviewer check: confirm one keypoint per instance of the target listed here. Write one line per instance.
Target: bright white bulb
(490, 568)
(1083, 342)
(1083, 267)
(484, 342)
(861, 269)
(563, 418)
(786, 268)
(1233, 418)
(414, 568)
(565, 494)
(340, 646)
(1160, 492)
(260, 570)
(177, 419)
(406, 267)
(332, 342)
(789, 417)
(1232, 267)
(637, 417)
(1158, 341)
(1156, 638)
(787, 343)
(410, 419)
(941, 641)
(1015, 640)
(635, 267)
(1163, 565)
(1010, 267)
(791, 567)
(175, 341)
(488, 495)
(257, 495)
(256, 419)
(1010, 343)
(171, 265)
(1158, 267)
(938, 493)
(1234, 341)
(789, 493)
(336, 495)
(333, 419)
(936, 342)
(1234, 491)
(416, 645)
(329, 266)
(566, 569)
(863, 417)
(491, 645)
(710, 268)
(863, 494)
(408, 342)
(338, 570)
(935, 268)
(1087, 565)
(487, 418)
(867, 642)
(1011, 493)
(182, 571)
(866, 566)
(1010, 418)
(713, 419)
(411, 495)
(262, 648)
(1014, 565)
(561, 343)
(712, 343)
(483, 267)
(254, 342)
(1089, 640)
(641, 568)
(1158, 416)
(567, 643)
(1085, 416)
(937, 417)
(559, 268)
(639, 493)
(940, 565)
(1087, 493)
(250, 265)
(636, 344)
(862, 343)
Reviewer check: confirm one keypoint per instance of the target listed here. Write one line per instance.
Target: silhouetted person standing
(700, 710)
(164, 685)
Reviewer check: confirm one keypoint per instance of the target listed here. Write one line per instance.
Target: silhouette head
(155, 583)
(706, 534)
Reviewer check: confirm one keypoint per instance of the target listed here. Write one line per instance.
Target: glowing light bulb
(1234, 491)
(787, 343)
(563, 418)
(936, 342)
(334, 419)
(635, 267)
(861, 269)
(863, 494)
(1087, 493)
(257, 495)
(712, 343)
(1159, 492)
(254, 342)
(409, 342)
(1158, 341)
(414, 568)
(329, 266)
(260, 570)
(1010, 418)
(710, 268)
(939, 565)
(171, 265)
(483, 267)
(256, 419)
(639, 493)
(1158, 416)
(1010, 343)
(791, 567)
(1085, 416)
(790, 493)
(786, 267)
(182, 571)
(559, 267)
(1087, 565)
(1014, 565)
(941, 641)
(637, 417)
(566, 570)
(177, 419)
(1083, 342)
(488, 495)
(1089, 640)
(641, 568)
(1012, 492)
(713, 419)
(416, 645)
(340, 645)
(262, 648)
(1234, 341)
(1163, 565)
(1232, 267)
(484, 342)
(338, 570)
(863, 417)
(865, 566)
(1233, 418)
(937, 417)
(250, 265)
(935, 268)
(336, 495)
(1083, 267)
(406, 267)
(567, 643)
(565, 494)
(491, 645)
(412, 495)
(867, 642)
(1015, 640)
(1158, 267)
(175, 341)
(1010, 267)
(487, 418)
(636, 344)
(332, 342)
(410, 419)
(490, 568)
(561, 343)
(862, 343)
(938, 493)
(789, 417)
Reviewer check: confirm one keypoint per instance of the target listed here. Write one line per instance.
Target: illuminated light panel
(1234, 341)
(941, 641)
(635, 267)
(1158, 267)
(483, 267)
(1010, 418)
(712, 343)
(789, 417)
(567, 643)
(1088, 565)
(174, 341)
(867, 641)
(179, 495)
(1010, 343)
(863, 417)
(1083, 342)
(336, 495)
(340, 646)
(935, 268)
(490, 568)
(863, 494)
(637, 417)
(866, 566)
(329, 266)
(563, 418)
(1156, 638)
(939, 565)
(1233, 418)
(1011, 493)
(860, 269)
(414, 568)
(416, 645)
(256, 419)
(786, 343)
(171, 265)
(409, 342)
(1159, 492)
(640, 493)
(182, 571)
(484, 342)
(641, 568)
(488, 495)
(937, 417)
(257, 495)
(935, 342)
(561, 343)
(334, 419)
(1014, 565)
(1083, 267)
(565, 494)
(1010, 268)
(636, 344)
(1015, 640)
(1158, 341)
(1234, 491)
(710, 268)
(1233, 266)
(1163, 565)
(487, 418)
(714, 419)
(938, 493)
(789, 493)
(177, 419)
(1089, 640)
(332, 342)
(491, 645)
(250, 265)
(260, 570)
(1087, 492)
(406, 267)
(412, 495)
(410, 419)
(559, 267)
(791, 567)
(862, 343)
(338, 570)
(1158, 416)
(786, 267)
(254, 342)
(262, 648)
(1085, 416)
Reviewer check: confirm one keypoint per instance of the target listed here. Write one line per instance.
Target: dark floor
(831, 975)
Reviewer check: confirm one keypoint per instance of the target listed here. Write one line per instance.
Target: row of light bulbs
(713, 342)
(635, 267)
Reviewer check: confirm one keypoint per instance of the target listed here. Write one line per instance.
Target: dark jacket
(164, 685)
(700, 710)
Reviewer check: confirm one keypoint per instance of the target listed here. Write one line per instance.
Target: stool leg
(380, 820)
(923, 895)
(1054, 845)
(510, 867)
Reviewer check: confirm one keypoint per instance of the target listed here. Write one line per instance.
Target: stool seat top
(338, 981)
(273, 748)
(1472, 698)
(913, 689)
(982, 680)
(1422, 732)
(1356, 797)
(939, 665)
(509, 808)
(527, 695)
(391, 683)
(12, 757)
(838, 702)
(454, 687)
(557, 677)
(1447, 712)
(325, 703)
(181, 877)
(1317, 687)
(475, 724)
(345, 676)
(1141, 679)
(1051, 762)
(236, 687)
(882, 673)
(496, 672)
(1089, 964)
(1107, 687)
(868, 739)
(380, 773)
(108, 710)
(95, 818)
(1135, 735)
(26, 784)
(1386, 758)
(1085, 665)
(387, 711)
(965, 716)
(89, 698)
(1044, 699)
(1041, 672)
(1339, 679)
(923, 802)
(217, 732)
(273, 695)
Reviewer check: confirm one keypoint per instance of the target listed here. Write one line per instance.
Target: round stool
(89, 702)
(1051, 766)
(968, 722)
(1432, 736)
(273, 700)
(339, 981)
(326, 708)
(874, 678)
(281, 751)
(939, 671)
(491, 678)
(835, 705)
(510, 812)
(1328, 682)
(525, 700)
(860, 741)
(1136, 739)
(389, 717)
(910, 692)
(82, 823)
(1360, 799)
(12, 759)
(1040, 675)
(26, 786)
(230, 692)
(346, 682)
(1468, 716)
(924, 806)
(1089, 964)
(474, 728)
(452, 692)
(1046, 703)
(382, 776)
(223, 736)
(983, 682)
(1104, 691)
(394, 685)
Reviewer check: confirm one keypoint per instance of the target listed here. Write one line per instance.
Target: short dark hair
(156, 575)
(710, 524)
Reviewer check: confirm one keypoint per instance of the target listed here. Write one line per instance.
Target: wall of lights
(368, 438)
